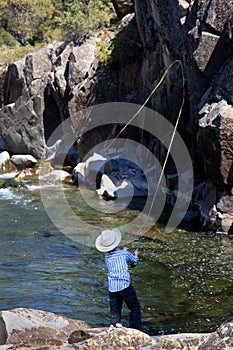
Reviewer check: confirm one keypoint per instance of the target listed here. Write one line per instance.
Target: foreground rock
(34, 329)
(27, 328)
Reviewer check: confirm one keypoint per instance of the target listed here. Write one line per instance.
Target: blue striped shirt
(118, 272)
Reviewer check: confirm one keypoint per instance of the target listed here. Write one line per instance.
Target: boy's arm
(133, 258)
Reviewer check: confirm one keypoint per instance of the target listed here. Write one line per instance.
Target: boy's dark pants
(129, 296)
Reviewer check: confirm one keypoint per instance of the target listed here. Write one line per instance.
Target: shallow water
(184, 279)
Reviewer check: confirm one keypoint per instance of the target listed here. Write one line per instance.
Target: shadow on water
(183, 279)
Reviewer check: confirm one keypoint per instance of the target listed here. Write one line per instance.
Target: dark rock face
(21, 115)
(215, 137)
(163, 40)
(22, 127)
(41, 91)
(201, 36)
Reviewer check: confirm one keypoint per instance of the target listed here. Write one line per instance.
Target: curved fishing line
(173, 134)
(174, 131)
(148, 98)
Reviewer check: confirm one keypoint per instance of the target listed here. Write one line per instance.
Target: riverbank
(35, 329)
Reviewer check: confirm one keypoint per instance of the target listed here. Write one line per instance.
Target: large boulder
(34, 329)
(208, 43)
(20, 123)
(23, 160)
(4, 159)
(28, 328)
(216, 142)
(111, 188)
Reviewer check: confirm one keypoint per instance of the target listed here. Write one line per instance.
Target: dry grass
(9, 55)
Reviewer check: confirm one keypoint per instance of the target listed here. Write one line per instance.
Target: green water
(184, 279)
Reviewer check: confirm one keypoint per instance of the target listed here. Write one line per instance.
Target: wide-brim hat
(108, 240)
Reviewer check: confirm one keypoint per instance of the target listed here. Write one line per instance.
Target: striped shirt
(118, 273)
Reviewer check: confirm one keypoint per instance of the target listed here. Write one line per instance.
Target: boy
(119, 286)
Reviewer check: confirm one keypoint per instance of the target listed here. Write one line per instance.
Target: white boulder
(23, 160)
(4, 158)
(85, 172)
(108, 189)
(56, 176)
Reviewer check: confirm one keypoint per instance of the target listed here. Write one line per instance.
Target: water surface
(183, 280)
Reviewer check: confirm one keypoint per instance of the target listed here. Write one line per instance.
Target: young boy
(119, 286)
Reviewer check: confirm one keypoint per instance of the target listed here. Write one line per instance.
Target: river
(183, 279)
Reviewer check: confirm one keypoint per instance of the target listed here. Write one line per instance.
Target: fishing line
(173, 134)
(174, 131)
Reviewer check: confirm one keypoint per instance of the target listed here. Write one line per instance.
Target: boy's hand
(136, 252)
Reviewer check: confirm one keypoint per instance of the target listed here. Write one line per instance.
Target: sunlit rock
(221, 339)
(112, 339)
(86, 172)
(4, 158)
(28, 173)
(33, 328)
(23, 160)
(115, 189)
(55, 176)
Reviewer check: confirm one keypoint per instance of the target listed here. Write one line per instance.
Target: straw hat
(108, 240)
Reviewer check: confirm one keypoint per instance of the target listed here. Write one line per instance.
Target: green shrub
(83, 17)
(123, 43)
(7, 39)
(33, 22)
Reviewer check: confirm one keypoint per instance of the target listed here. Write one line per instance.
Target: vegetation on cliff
(26, 24)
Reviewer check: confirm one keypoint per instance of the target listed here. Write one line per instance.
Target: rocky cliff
(55, 83)
(200, 34)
